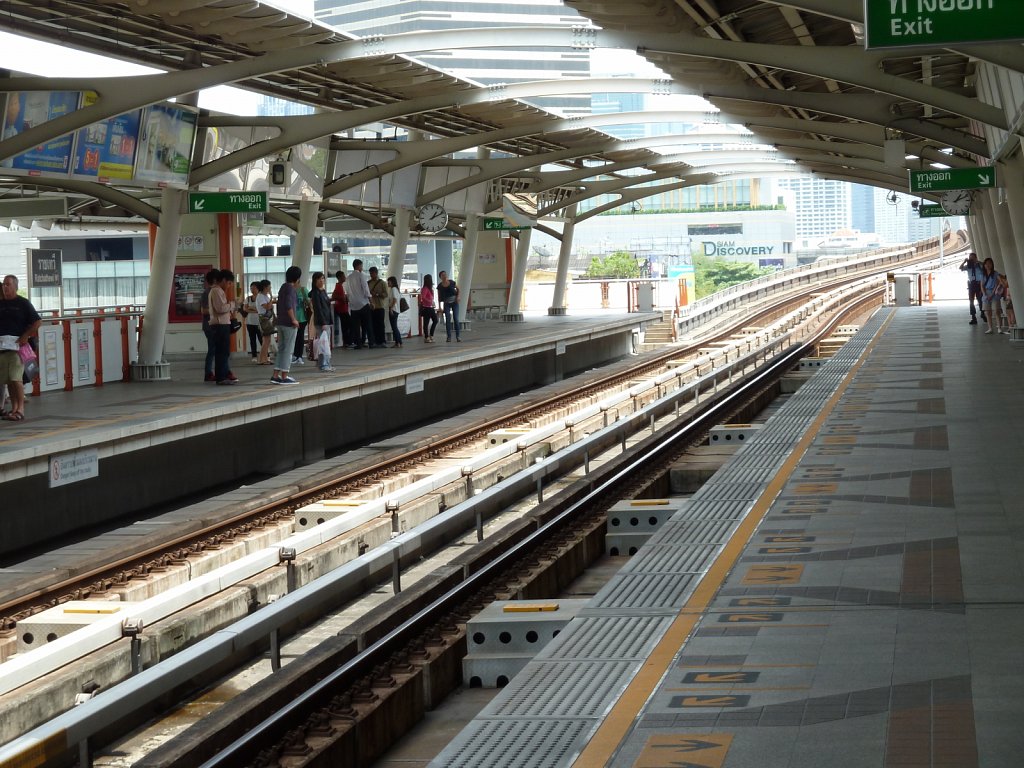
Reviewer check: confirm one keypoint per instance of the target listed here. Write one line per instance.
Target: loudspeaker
(318, 246)
(284, 250)
(266, 251)
(249, 252)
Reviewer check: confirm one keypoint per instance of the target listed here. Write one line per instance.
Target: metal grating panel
(563, 689)
(607, 638)
(515, 744)
(694, 532)
(646, 590)
(712, 509)
(720, 491)
(671, 559)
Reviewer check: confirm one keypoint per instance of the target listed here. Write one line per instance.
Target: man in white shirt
(358, 289)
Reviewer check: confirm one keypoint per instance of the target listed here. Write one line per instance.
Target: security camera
(914, 204)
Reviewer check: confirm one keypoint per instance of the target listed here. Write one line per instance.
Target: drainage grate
(607, 638)
(518, 743)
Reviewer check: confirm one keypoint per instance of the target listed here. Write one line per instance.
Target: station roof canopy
(794, 73)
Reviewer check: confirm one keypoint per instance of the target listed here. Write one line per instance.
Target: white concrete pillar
(986, 225)
(1007, 262)
(558, 306)
(1013, 178)
(399, 244)
(151, 365)
(426, 261)
(302, 257)
(514, 312)
(468, 265)
(443, 255)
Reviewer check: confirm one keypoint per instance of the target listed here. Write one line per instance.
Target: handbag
(267, 325)
(403, 305)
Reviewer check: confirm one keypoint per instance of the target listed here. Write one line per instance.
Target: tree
(713, 275)
(619, 264)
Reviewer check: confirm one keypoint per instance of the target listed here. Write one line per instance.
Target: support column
(303, 255)
(399, 244)
(151, 366)
(468, 265)
(1006, 262)
(989, 248)
(443, 255)
(426, 262)
(1013, 262)
(558, 306)
(515, 295)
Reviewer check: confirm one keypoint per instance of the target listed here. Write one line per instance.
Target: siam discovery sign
(727, 248)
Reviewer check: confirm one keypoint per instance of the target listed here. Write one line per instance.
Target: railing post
(126, 367)
(97, 335)
(69, 375)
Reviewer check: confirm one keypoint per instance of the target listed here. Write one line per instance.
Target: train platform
(848, 590)
(88, 457)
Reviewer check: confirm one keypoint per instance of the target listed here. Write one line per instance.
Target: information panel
(904, 23)
(166, 138)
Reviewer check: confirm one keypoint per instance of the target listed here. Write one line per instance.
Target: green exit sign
(952, 178)
(491, 224)
(227, 202)
(903, 23)
(931, 211)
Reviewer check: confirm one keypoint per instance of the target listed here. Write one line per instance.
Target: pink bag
(26, 353)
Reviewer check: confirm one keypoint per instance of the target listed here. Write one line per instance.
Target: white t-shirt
(396, 297)
(264, 304)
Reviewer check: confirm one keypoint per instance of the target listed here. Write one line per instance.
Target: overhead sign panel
(27, 109)
(492, 224)
(227, 202)
(931, 212)
(44, 265)
(952, 178)
(904, 23)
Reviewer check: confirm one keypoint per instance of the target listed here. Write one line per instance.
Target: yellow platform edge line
(600, 750)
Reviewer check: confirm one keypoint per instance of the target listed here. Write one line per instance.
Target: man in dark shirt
(19, 321)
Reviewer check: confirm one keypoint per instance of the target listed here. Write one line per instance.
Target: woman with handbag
(265, 312)
(428, 310)
(251, 313)
(394, 304)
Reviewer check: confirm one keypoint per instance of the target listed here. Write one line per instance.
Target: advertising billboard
(106, 150)
(166, 137)
(26, 110)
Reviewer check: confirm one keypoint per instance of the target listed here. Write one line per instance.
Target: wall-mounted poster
(189, 283)
(106, 150)
(166, 138)
(26, 110)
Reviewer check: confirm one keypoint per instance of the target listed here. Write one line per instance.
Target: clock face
(432, 217)
(956, 202)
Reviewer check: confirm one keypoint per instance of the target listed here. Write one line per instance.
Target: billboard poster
(26, 110)
(189, 284)
(166, 137)
(106, 150)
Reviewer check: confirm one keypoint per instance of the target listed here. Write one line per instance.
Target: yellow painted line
(754, 687)
(39, 753)
(613, 730)
(530, 608)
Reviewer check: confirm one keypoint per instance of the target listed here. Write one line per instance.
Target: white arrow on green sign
(904, 23)
(494, 223)
(952, 178)
(227, 202)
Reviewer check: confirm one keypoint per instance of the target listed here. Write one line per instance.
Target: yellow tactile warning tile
(605, 742)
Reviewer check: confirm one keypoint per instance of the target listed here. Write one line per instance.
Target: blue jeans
(285, 347)
(451, 317)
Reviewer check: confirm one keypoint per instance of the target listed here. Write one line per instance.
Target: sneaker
(327, 369)
(275, 380)
(210, 377)
(988, 330)
(1002, 331)
(287, 380)
(231, 376)
(974, 321)
(227, 381)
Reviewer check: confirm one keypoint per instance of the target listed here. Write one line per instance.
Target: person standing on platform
(251, 311)
(990, 293)
(378, 308)
(342, 321)
(302, 311)
(448, 296)
(358, 304)
(428, 312)
(221, 311)
(204, 307)
(287, 326)
(1011, 316)
(322, 320)
(265, 312)
(394, 309)
(974, 271)
(19, 322)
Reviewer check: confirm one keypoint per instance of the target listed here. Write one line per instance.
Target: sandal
(14, 416)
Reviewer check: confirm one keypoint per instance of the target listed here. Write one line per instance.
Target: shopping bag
(322, 346)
